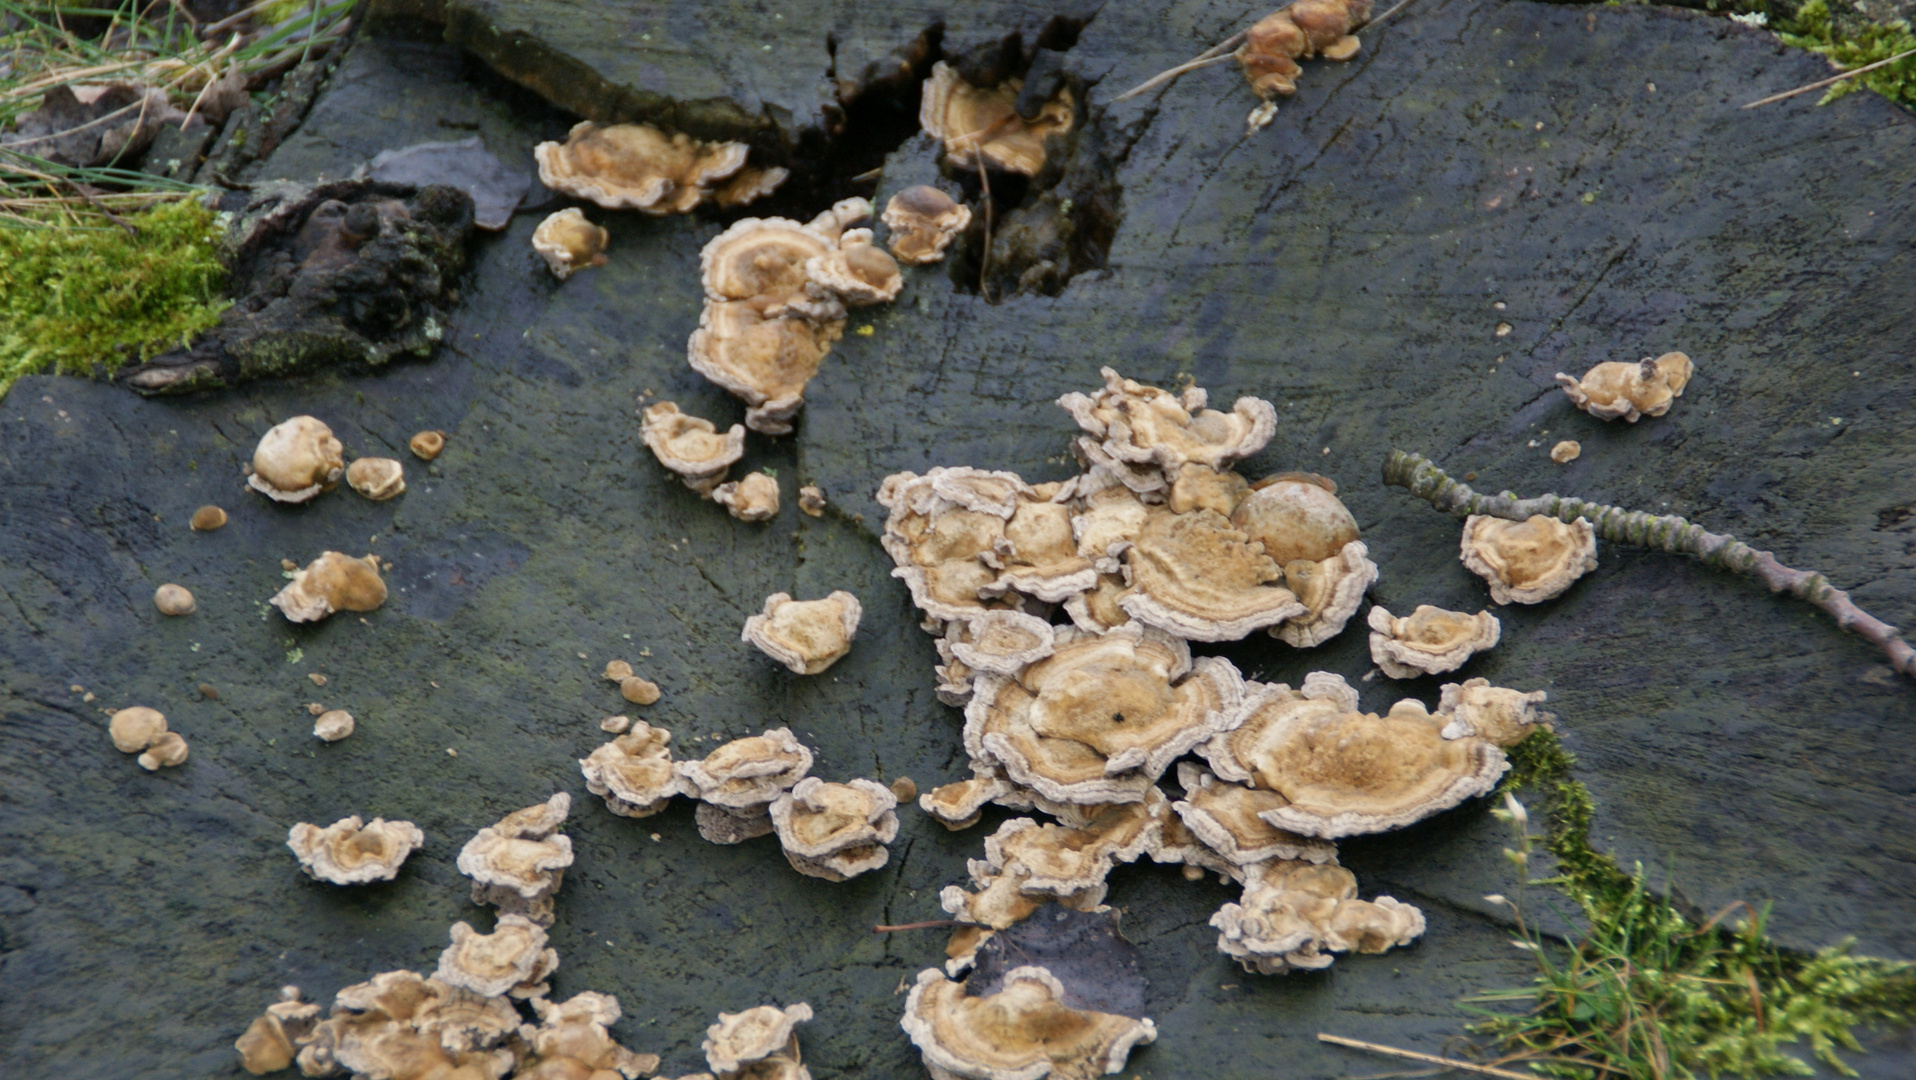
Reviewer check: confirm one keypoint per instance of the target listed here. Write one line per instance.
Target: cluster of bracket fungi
(1157, 543)
(464, 1021)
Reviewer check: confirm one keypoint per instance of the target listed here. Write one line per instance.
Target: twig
(984, 261)
(929, 924)
(1432, 1059)
(1220, 49)
(1665, 532)
(1399, 6)
(1832, 79)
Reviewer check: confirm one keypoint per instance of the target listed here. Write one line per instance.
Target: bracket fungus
(1225, 817)
(639, 167)
(760, 1043)
(1616, 390)
(1530, 561)
(754, 498)
(513, 959)
(1000, 642)
(1023, 1031)
(857, 273)
(333, 725)
(173, 599)
(806, 636)
(271, 1042)
(945, 534)
(296, 460)
(1103, 716)
(1274, 44)
(737, 783)
(835, 831)
(811, 500)
(690, 446)
(764, 361)
(923, 223)
(1429, 641)
(974, 121)
(332, 582)
(569, 243)
(352, 852)
(1067, 862)
(377, 478)
(1195, 576)
(1294, 916)
(1344, 772)
(1494, 713)
(635, 772)
(761, 262)
(1130, 424)
(518, 863)
(574, 1039)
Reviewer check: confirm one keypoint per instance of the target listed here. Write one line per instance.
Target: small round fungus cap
(811, 500)
(426, 445)
(638, 167)
(332, 582)
(351, 852)
(1130, 424)
(333, 725)
(167, 751)
(490, 965)
(134, 729)
(634, 772)
(638, 691)
(518, 863)
(923, 222)
(748, 773)
(858, 273)
(1429, 641)
(1528, 562)
(1296, 516)
(207, 518)
(743, 1039)
(973, 121)
(1616, 390)
(1024, 1031)
(806, 636)
(296, 460)
(1296, 916)
(1346, 772)
(618, 670)
(765, 361)
(1566, 451)
(377, 478)
(569, 243)
(1274, 44)
(174, 599)
(690, 446)
(1476, 708)
(271, 1042)
(754, 498)
(835, 831)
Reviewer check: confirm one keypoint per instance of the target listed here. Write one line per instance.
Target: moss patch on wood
(80, 297)
(1814, 29)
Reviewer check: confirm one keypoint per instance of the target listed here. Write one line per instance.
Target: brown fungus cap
(1296, 915)
(1616, 390)
(766, 361)
(427, 445)
(857, 274)
(1528, 562)
(634, 772)
(923, 222)
(748, 773)
(1296, 516)
(1429, 641)
(1102, 607)
(1128, 423)
(811, 500)
(1196, 576)
(817, 821)
(1224, 816)
(638, 167)
(208, 518)
(512, 956)
(639, 691)
(569, 243)
(761, 262)
(377, 478)
(1063, 861)
(806, 636)
(1331, 592)
(1001, 642)
(296, 460)
(333, 725)
(1476, 708)
(573, 1040)
(518, 863)
(351, 852)
(166, 752)
(690, 446)
(173, 599)
(1024, 1031)
(973, 121)
(753, 498)
(136, 728)
(959, 805)
(946, 535)
(271, 1042)
(760, 1034)
(1103, 716)
(1274, 44)
(1041, 558)
(332, 582)
(1347, 772)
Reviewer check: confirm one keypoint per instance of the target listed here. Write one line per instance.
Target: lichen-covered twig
(1662, 532)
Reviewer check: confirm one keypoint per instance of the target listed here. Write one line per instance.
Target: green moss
(74, 297)
(1815, 30)
(1647, 992)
